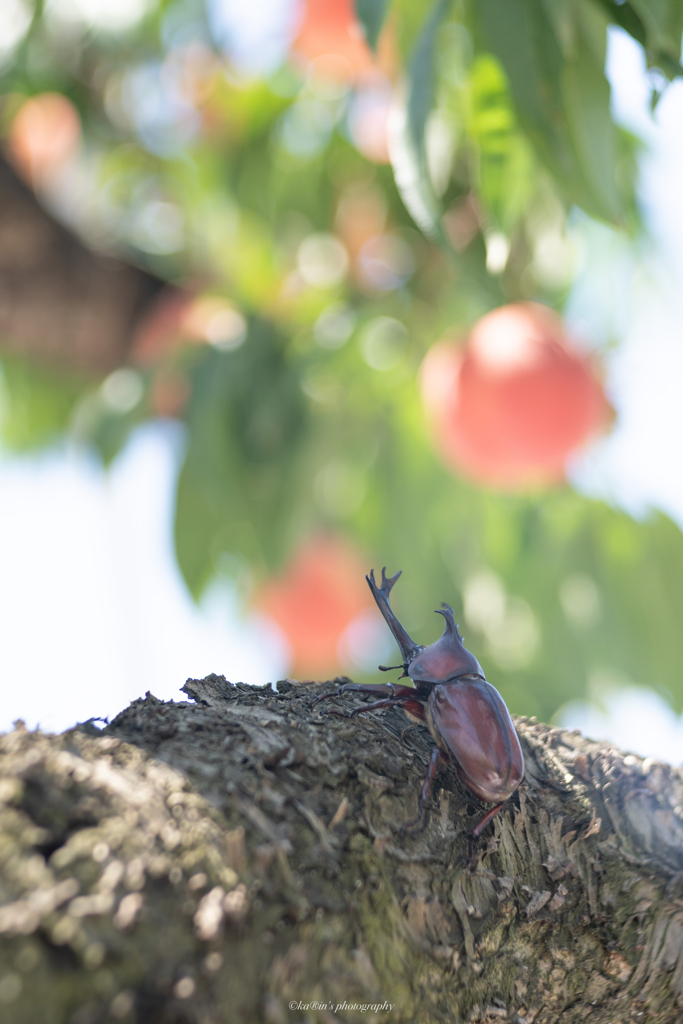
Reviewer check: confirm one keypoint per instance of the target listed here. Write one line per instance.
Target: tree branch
(224, 859)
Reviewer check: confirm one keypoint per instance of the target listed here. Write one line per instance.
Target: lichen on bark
(221, 859)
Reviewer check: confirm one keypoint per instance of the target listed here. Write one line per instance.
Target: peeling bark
(226, 858)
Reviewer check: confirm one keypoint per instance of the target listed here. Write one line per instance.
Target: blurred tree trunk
(238, 859)
(60, 302)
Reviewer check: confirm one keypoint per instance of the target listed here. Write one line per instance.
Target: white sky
(93, 611)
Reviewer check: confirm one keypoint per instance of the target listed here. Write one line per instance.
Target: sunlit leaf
(239, 484)
(506, 165)
(561, 94)
(408, 127)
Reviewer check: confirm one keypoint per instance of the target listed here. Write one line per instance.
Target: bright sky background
(92, 606)
(93, 609)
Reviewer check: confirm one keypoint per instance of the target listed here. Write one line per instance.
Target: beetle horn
(451, 624)
(447, 659)
(409, 649)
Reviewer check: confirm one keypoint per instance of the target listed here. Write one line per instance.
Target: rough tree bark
(234, 856)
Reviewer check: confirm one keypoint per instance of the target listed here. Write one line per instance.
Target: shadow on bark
(238, 858)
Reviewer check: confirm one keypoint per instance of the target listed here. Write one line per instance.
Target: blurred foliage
(36, 404)
(251, 186)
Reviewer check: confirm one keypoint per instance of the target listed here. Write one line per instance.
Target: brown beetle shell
(470, 722)
(445, 659)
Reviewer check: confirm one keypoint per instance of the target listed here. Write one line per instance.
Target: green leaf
(555, 68)
(586, 95)
(372, 15)
(625, 17)
(239, 485)
(36, 403)
(509, 32)
(662, 21)
(408, 149)
(198, 521)
(506, 168)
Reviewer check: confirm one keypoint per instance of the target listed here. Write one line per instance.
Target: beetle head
(446, 659)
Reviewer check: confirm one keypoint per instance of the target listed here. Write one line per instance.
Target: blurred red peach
(45, 134)
(321, 592)
(331, 37)
(509, 406)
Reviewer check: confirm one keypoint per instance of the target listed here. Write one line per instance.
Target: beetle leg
(409, 649)
(386, 703)
(407, 729)
(436, 756)
(378, 688)
(479, 828)
(413, 707)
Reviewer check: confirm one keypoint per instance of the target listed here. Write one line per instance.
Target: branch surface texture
(238, 858)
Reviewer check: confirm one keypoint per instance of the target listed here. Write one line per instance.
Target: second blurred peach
(44, 136)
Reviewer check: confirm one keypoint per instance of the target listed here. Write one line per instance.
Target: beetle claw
(327, 711)
(332, 711)
(407, 729)
(316, 700)
(408, 826)
(471, 858)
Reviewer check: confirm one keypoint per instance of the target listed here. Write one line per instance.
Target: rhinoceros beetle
(466, 716)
